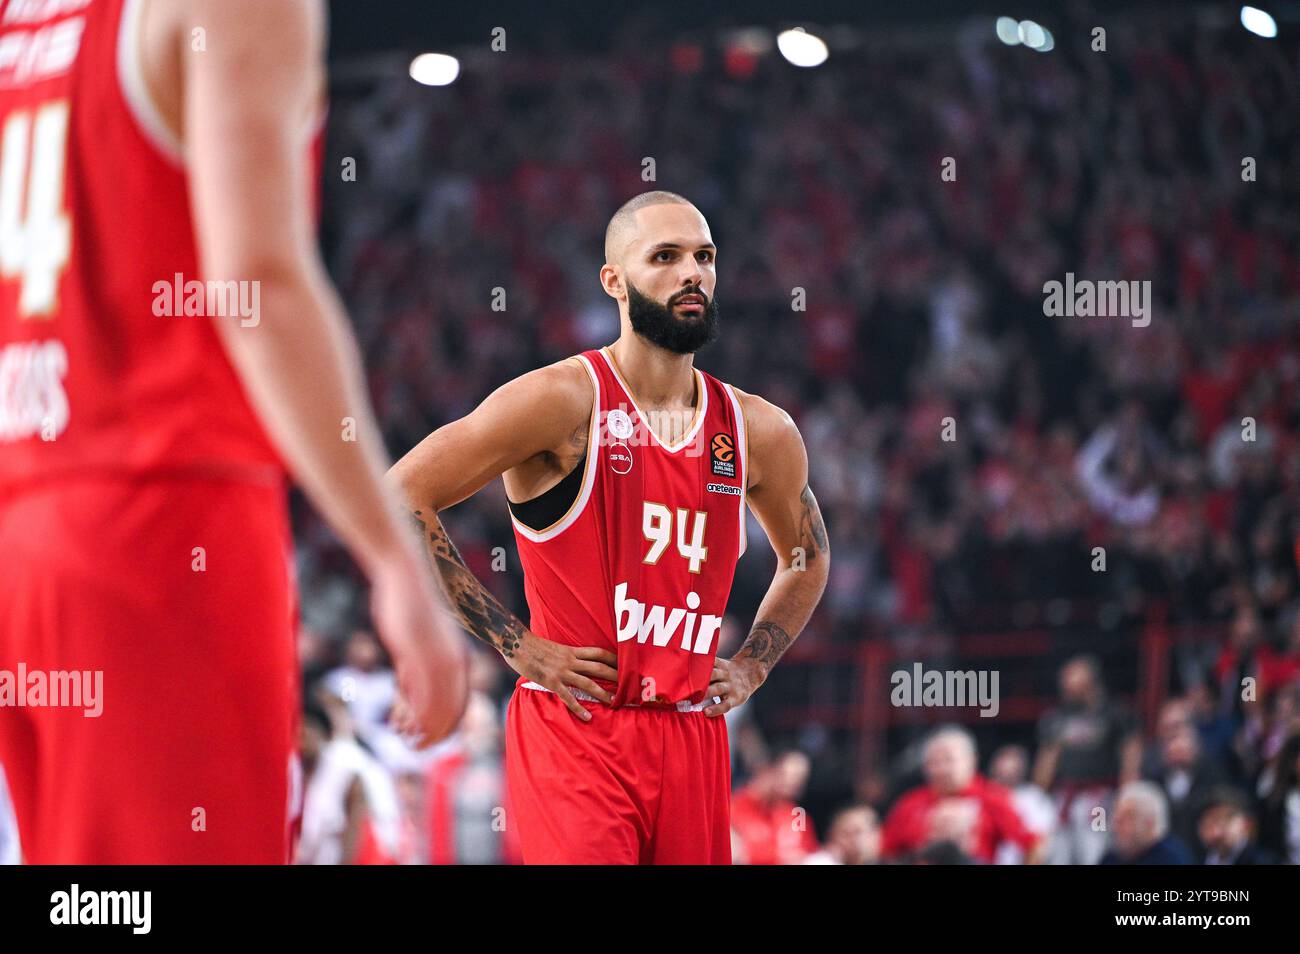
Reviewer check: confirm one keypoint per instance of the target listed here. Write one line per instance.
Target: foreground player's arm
(529, 416)
(244, 111)
(784, 504)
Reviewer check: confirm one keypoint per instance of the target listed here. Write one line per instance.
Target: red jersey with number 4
(109, 357)
(643, 561)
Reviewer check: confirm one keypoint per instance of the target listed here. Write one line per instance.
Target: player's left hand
(733, 681)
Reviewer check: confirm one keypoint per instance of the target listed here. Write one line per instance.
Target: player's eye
(704, 255)
(664, 255)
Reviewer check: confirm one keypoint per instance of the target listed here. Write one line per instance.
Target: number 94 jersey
(642, 563)
(110, 359)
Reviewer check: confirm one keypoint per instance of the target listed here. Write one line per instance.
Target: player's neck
(657, 377)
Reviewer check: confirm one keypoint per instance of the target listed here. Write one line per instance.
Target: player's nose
(692, 273)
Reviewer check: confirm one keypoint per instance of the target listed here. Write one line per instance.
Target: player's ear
(611, 279)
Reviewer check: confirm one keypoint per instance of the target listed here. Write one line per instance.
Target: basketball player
(143, 525)
(628, 471)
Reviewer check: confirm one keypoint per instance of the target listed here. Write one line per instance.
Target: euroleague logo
(619, 425)
(722, 455)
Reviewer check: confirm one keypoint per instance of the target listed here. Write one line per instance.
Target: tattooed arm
(526, 427)
(784, 504)
(479, 611)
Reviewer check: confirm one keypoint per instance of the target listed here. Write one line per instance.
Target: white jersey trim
(701, 410)
(684, 705)
(742, 445)
(588, 474)
(135, 90)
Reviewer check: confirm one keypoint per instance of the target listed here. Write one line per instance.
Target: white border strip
(699, 420)
(588, 481)
(683, 706)
(743, 454)
(130, 78)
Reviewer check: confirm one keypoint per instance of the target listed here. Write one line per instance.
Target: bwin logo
(103, 907)
(644, 622)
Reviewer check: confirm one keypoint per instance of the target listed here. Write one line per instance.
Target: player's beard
(658, 325)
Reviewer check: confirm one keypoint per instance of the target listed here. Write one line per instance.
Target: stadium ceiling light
(435, 69)
(1049, 42)
(802, 48)
(1031, 34)
(1008, 31)
(1258, 22)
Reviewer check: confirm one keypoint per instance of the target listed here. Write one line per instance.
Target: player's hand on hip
(733, 681)
(559, 667)
(427, 649)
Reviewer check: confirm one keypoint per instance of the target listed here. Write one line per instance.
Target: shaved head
(661, 266)
(623, 225)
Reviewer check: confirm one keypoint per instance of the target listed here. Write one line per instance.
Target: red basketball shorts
(632, 786)
(177, 595)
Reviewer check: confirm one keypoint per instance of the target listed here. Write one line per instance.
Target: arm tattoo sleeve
(812, 531)
(766, 642)
(480, 612)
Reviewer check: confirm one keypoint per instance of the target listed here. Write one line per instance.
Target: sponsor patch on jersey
(722, 455)
(620, 457)
(722, 489)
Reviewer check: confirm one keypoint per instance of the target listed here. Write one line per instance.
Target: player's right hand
(557, 667)
(426, 647)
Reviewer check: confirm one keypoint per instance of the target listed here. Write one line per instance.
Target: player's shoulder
(288, 20)
(564, 380)
(766, 423)
(560, 393)
(772, 435)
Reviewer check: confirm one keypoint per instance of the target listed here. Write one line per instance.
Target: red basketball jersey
(98, 371)
(643, 561)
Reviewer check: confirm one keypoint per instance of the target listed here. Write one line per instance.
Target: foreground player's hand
(427, 650)
(558, 667)
(733, 681)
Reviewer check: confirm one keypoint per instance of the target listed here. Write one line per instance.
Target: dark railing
(845, 687)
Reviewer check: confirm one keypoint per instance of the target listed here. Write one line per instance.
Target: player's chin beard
(658, 325)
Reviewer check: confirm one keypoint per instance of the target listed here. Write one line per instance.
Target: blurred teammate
(628, 471)
(145, 427)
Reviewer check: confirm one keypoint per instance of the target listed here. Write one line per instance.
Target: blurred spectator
(365, 684)
(468, 815)
(1280, 789)
(769, 826)
(1116, 475)
(351, 813)
(957, 805)
(746, 744)
(1087, 745)
(1226, 831)
(1180, 768)
(853, 839)
(1140, 829)
(1010, 769)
